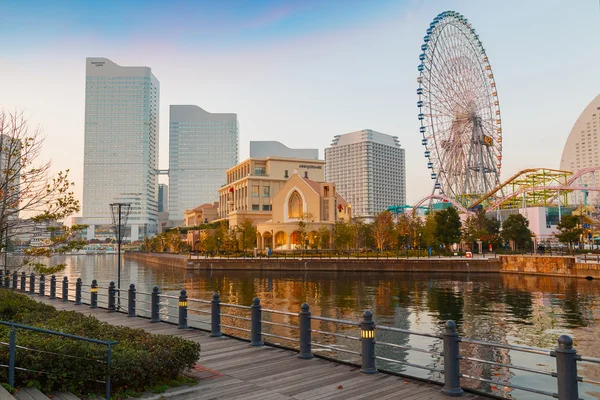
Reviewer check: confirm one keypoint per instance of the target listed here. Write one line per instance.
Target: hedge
(140, 360)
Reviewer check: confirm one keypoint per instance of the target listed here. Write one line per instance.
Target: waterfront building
(202, 146)
(368, 169)
(300, 209)
(202, 214)
(120, 147)
(251, 185)
(581, 149)
(163, 198)
(264, 149)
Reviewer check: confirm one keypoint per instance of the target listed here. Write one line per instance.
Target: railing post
(215, 316)
(32, 283)
(42, 291)
(7, 281)
(566, 369)
(12, 349)
(65, 289)
(111, 297)
(305, 348)
(23, 278)
(154, 309)
(451, 361)
(53, 287)
(256, 325)
(94, 294)
(15, 278)
(78, 286)
(131, 301)
(367, 339)
(108, 360)
(183, 310)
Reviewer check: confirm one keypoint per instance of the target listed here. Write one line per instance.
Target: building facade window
(295, 206)
(255, 207)
(254, 190)
(266, 191)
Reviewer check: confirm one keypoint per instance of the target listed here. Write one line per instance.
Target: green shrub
(140, 360)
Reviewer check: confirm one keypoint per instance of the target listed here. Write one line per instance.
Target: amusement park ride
(461, 128)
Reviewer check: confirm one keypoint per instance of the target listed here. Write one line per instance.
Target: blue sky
(301, 71)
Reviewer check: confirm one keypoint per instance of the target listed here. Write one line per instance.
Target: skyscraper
(163, 197)
(581, 150)
(271, 148)
(120, 148)
(202, 146)
(368, 170)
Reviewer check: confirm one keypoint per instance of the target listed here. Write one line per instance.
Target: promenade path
(232, 369)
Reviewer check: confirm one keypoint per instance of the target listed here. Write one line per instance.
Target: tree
(303, 228)
(323, 237)
(429, 229)
(516, 228)
(247, 230)
(342, 234)
(383, 230)
(448, 226)
(30, 197)
(569, 230)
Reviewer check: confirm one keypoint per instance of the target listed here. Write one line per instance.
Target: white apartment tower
(367, 168)
(202, 146)
(120, 148)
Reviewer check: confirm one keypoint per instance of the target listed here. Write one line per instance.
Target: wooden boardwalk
(232, 369)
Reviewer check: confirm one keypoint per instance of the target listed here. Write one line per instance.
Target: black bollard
(32, 283)
(65, 289)
(256, 325)
(215, 316)
(53, 287)
(183, 310)
(112, 297)
(94, 294)
(566, 369)
(42, 291)
(305, 334)
(131, 301)
(78, 287)
(451, 361)
(154, 309)
(367, 339)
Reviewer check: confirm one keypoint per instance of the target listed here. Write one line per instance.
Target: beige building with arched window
(300, 208)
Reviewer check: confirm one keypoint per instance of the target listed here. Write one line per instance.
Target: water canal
(513, 309)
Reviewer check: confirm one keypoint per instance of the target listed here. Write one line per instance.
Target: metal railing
(13, 347)
(247, 322)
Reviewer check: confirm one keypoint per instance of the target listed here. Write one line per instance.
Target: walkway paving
(232, 369)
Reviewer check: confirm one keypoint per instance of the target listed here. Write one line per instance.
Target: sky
(300, 71)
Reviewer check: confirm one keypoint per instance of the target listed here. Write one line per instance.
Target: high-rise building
(581, 150)
(270, 148)
(367, 168)
(163, 197)
(202, 146)
(120, 148)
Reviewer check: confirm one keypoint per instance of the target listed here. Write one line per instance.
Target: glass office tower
(202, 146)
(120, 148)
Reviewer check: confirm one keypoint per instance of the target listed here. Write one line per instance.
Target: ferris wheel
(459, 110)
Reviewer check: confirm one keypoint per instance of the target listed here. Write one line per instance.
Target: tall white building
(581, 149)
(271, 148)
(368, 170)
(120, 148)
(202, 146)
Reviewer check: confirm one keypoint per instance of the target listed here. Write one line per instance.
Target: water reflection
(514, 309)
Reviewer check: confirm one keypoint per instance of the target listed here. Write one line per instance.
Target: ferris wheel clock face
(459, 111)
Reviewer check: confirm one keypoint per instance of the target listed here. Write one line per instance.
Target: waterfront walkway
(232, 369)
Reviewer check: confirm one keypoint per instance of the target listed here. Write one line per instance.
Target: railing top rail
(41, 330)
(235, 306)
(341, 321)
(280, 312)
(393, 329)
(525, 349)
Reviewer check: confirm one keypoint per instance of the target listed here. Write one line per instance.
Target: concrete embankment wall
(362, 265)
(552, 266)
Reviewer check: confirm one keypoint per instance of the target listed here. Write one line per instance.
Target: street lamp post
(120, 214)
